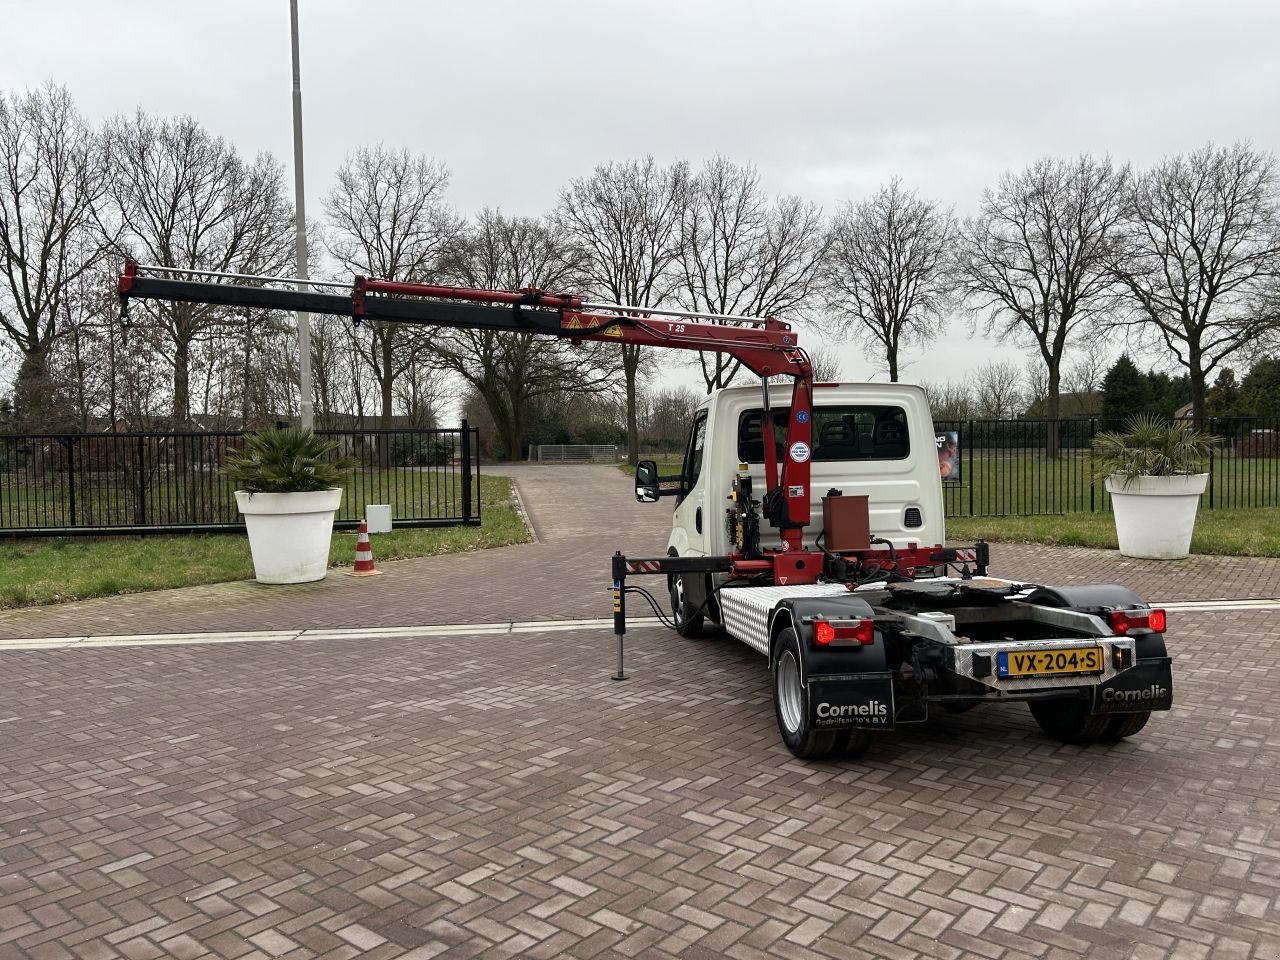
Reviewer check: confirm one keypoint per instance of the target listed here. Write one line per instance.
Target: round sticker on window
(799, 451)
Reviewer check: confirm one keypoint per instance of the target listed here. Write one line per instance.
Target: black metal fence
(105, 483)
(1027, 467)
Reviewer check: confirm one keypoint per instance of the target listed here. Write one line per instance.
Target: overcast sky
(829, 99)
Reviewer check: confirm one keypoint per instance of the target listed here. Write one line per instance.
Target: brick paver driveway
(497, 795)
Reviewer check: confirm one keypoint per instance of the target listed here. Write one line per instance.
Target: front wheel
(687, 619)
(791, 703)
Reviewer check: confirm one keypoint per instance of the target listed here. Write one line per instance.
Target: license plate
(1049, 663)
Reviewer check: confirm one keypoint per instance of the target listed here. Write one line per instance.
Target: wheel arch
(1088, 598)
(779, 620)
(792, 613)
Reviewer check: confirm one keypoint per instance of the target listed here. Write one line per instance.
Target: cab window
(693, 455)
(850, 432)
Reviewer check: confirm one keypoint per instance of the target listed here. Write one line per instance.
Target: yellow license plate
(1049, 663)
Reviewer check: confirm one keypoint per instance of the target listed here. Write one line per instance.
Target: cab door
(688, 530)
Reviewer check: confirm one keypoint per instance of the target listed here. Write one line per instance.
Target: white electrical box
(947, 620)
(378, 516)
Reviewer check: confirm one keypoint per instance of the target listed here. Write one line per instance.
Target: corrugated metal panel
(745, 610)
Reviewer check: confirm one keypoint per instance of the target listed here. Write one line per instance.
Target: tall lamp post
(300, 221)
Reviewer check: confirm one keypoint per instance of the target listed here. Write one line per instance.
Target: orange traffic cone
(364, 555)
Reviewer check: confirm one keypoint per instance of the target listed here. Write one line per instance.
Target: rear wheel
(791, 704)
(852, 743)
(687, 618)
(1069, 720)
(1126, 724)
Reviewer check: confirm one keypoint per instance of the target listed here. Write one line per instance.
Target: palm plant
(1151, 447)
(289, 460)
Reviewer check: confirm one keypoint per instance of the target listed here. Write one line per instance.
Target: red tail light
(1122, 621)
(844, 633)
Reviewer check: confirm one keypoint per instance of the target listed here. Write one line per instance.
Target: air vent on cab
(912, 518)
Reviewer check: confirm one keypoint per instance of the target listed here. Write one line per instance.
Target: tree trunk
(386, 381)
(508, 419)
(892, 355)
(112, 370)
(1052, 407)
(630, 365)
(248, 377)
(32, 391)
(1195, 368)
(82, 400)
(181, 383)
(511, 432)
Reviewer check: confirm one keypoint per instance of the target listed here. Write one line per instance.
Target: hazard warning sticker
(572, 322)
(799, 451)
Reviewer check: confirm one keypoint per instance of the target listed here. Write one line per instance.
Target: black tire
(852, 744)
(1126, 725)
(688, 622)
(791, 703)
(1069, 720)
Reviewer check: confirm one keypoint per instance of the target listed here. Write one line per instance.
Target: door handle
(697, 519)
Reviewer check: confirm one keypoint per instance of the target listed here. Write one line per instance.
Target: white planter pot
(289, 533)
(1155, 515)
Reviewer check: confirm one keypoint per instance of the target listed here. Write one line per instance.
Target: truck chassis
(848, 661)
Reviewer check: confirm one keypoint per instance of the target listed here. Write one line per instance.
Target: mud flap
(863, 700)
(1148, 685)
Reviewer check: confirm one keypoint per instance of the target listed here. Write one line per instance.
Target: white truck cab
(872, 439)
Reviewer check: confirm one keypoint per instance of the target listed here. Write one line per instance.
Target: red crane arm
(767, 347)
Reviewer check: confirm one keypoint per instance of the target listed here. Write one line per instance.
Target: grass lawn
(74, 568)
(1241, 532)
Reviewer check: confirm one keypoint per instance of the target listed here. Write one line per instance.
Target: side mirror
(647, 489)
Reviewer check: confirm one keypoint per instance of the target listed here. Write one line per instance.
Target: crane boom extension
(767, 347)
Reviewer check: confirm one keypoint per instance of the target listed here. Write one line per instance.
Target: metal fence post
(1093, 482)
(466, 471)
(972, 478)
(69, 443)
(142, 483)
(1212, 432)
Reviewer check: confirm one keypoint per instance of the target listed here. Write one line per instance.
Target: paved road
(495, 794)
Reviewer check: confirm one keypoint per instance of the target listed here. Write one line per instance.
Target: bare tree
(826, 365)
(996, 388)
(1201, 245)
(625, 218)
(78, 365)
(186, 199)
(1036, 261)
(951, 400)
(513, 371)
(886, 270)
(52, 173)
(388, 220)
(667, 416)
(1037, 384)
(740, 253)
(1088, 366)
(418, 392)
